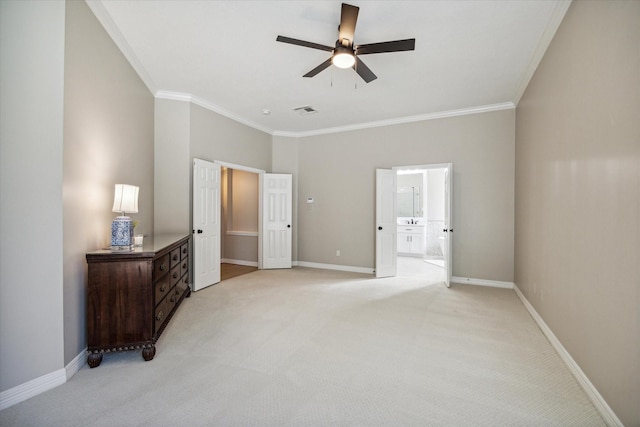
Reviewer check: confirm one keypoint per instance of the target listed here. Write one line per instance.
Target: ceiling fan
(345, 53)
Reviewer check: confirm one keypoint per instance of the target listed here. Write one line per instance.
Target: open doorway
(251, 211)
(422, 220)
(240, 205)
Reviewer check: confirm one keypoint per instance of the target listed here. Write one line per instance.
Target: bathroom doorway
(423, 213)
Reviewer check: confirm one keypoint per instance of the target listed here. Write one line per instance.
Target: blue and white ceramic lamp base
(122, 234)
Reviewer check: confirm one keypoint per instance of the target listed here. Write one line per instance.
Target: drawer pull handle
(163, 287)
(163, 267)
(184, 265)
(175, 257)
(159, 315)
(175, 275)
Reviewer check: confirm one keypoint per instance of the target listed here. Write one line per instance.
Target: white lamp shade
(126, 198)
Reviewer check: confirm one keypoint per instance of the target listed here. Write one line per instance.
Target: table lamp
(125, 200)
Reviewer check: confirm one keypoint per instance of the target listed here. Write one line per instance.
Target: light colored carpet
(307, 347)
(438, 262)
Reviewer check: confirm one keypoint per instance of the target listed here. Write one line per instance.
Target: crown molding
(401, 120)
(112, 29)
(185, 97)
(545, 40)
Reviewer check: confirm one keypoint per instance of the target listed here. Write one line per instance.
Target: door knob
(445, 230)
(288, 225)
(199, 231)
(380, 228)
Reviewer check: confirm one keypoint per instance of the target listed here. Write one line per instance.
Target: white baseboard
(76, 364)
(461, 280)
(596, 398)
(482, 282)
(32, 388)
(335, 267)
(239, 262)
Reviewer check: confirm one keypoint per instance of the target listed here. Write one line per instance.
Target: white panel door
(386, 223)
(448, 224)
(276, 220)
(206, 223)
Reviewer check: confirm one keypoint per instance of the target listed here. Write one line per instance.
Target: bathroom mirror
(408, 202)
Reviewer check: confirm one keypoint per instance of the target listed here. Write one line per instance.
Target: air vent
(303, 111)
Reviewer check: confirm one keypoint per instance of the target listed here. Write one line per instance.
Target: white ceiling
(470, 56)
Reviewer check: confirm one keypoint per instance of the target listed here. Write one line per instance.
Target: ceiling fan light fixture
(343, 57)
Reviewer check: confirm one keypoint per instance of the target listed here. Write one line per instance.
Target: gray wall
(31, 135)
(578, 199)
(76, 119)
(172, 167)
(185, 131)
(215, 137)
(108, 139)
(338, 171)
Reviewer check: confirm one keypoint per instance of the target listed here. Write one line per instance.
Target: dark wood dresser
(132, 296)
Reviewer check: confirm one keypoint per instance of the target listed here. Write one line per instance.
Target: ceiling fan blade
(348, 19)
(319, 68)
(393, 46)
(303, 43)
(364, 71)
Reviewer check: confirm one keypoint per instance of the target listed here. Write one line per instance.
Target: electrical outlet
(338, 252)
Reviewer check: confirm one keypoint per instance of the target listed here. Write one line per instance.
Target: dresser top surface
(152, 245)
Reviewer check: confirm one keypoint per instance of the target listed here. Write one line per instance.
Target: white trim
(239, 167)
(482, 282)
(334, 267)
(173, 96)
(557, 16)
(32, 388)
(419, 167)
(242, 233)
(596, 398)
(186, 97)
(76, 364)
(98, 9)
(401, 120)
(239, 262)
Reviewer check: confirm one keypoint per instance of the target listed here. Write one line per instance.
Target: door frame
(260, 173)
(449, 238)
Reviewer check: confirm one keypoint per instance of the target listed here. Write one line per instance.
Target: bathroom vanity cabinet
(411, 240)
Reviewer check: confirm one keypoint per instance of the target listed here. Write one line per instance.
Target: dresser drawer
(160, 314)
(161, 266)
(175, 257)
(184, 250)
(182, 285)
(184, 266)
(175, 275)
(162, 288)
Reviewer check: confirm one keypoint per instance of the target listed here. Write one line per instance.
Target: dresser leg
(94, 360)
(148, 353)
